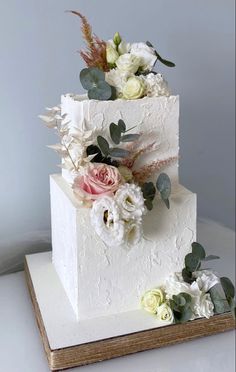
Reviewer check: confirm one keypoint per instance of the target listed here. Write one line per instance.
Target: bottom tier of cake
(99, 280)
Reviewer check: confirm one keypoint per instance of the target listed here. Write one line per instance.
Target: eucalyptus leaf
(210, 258)
(192, 262)
(167, 203)
(122, 126)
(90, 77)
(187, 276)
(148, 203)
(101, 92)
(119, 153)
(198, 250)
(130, 137)
(228, 287)
(164, 186)
(183, 316)
(162, 60)
(187, 297)
(149, 190)
(219, 299)
(115, 133)
(103, 145)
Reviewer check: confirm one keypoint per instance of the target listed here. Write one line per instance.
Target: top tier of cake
(157, 118)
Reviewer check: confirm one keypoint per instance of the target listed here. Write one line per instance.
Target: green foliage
(192, 262)
(219, 300)
(119, 153)
(149, 192)
(162, 60)
(163, 185)
(198, 250)
(228, 287)
(181, 307)
(116, 131)
(93, 80)
(103, 145)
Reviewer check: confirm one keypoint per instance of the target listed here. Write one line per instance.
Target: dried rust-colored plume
(143, 174)
(95, 54)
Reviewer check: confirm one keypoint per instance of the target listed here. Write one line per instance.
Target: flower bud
(117, 39)
(111, 54)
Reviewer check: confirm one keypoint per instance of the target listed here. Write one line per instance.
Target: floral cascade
(194, 293)
(106, 179)
(117, 69)
(104, 170)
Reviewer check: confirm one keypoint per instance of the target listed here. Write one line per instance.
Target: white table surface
(21, 349)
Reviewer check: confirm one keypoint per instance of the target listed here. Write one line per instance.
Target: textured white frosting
(99, 280)
(156, 117)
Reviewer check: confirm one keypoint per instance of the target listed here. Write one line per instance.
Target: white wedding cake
(120, 225)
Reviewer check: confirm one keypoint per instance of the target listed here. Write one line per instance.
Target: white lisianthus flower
(111, 54)
(124, 47)
(156, 85)
(117, 79)
(152, 299)
(134, 88)
(204, 307)
(105, 218)
(129, 198)
(206, 279)
(165, 313)
(146, 54)
(128, 63)
(133, 232)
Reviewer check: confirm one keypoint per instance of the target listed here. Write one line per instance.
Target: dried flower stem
(145, 172)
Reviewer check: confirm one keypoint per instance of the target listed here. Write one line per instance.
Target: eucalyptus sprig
(163, 186)
(117, 133)
(159, 58)
(181, 307)
(93, 80)
(223, 293)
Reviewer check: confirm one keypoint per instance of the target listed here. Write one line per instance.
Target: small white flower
(134, 88)
(128, 63)
(111, 54)
(124, 47)
(152, 299)
(117, 79)
(204, 307)
(129, 198)
(156, 85)
(133, 232)
(165, 313)
(105, 218)
(206, 279)
(146, 54)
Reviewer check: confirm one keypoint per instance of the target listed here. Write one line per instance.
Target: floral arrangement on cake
(106, 179)
(117, 69)
(193, 293)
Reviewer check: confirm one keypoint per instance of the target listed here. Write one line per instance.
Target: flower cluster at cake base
(191, 294)
(117, 69)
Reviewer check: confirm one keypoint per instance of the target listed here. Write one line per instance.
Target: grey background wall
(38, 63)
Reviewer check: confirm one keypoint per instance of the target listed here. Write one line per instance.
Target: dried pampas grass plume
(95, 55)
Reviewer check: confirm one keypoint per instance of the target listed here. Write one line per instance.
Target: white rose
(111, 54)
(128, 62)
(129, 198)
(117, 79)
(205, 306)
(152, 299)
(206, 279)
(146, 54)
(105, 218)
(134, 88)
(124, 47)
(165, 313)
(156, 86)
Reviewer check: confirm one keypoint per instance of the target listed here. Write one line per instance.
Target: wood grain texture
(127, 344)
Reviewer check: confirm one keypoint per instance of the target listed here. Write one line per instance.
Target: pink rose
(97, 180)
